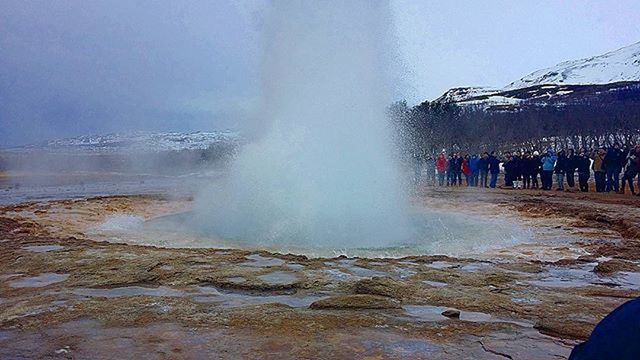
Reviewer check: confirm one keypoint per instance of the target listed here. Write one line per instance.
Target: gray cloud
(75, 67)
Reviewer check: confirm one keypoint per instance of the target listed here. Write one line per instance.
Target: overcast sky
(73, 67)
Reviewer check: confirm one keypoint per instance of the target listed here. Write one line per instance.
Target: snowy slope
(135, 142)
(568, 82)
(615, 66)
(465, 93)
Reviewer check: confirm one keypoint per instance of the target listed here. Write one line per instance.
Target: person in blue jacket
(548, 161)
(617, 336)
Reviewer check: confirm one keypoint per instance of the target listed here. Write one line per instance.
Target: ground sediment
(64, 294)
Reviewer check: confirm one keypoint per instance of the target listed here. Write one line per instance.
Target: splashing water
(323, 174)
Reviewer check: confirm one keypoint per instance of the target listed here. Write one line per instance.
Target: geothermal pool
(434, 232)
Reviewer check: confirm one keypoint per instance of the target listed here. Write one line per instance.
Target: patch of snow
(464, 93)
(615, 66)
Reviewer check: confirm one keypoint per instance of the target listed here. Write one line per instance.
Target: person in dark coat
(517, 170)
(536, 165)
(613, 165)
(458, 169)
(570, 169)
(615, 337)
(638, 164)
(494, 169)
(475, 171)
(559, 169)
(630, 171)
(509, 170)
(583, 164)
(483, 166)
(529, 168)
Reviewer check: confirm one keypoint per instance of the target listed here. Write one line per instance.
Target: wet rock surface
(63, 294)
(356, 302)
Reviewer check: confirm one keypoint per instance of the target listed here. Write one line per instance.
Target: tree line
(430, 127)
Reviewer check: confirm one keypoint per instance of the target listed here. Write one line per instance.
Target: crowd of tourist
(613, 168)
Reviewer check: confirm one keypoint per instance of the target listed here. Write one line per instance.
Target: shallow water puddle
(237, 280)
(442, 265)
(295, 266)
(236, 299)
(434, 313)
(404, 273)
(402, 348)
(359, 271)
(128, 291)
(584, 276)
(262, 261)
(279, 278)
(435, 283)
(363, 272)
(567, 277)
(202, 294)
(337, 274)
(38, 281)
(472, 267)
(628, 280)
(42, 248)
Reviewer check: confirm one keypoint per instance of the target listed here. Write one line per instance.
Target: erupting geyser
(323, 175)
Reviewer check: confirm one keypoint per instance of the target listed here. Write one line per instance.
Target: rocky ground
(67, 293)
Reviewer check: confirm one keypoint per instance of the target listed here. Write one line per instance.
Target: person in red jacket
(441, 167)
(466, 169)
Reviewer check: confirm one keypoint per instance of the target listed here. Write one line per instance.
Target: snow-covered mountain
(464, 93)
(134, 142)
(615, 66)
(616, 73)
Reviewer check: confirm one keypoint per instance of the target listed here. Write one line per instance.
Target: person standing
(494, 169)
(638, 165)
(466, 169)
(483, 166)
(473, 165)
(583, 163)
(441, 167)
(548, 161)
(529, 168)
(451, 169)
(570, 169)
(613, 166)
(430, 168)
(559, 170)
(599, 172)
(536, 166)
(518, 170)
(507, 165)
(630, 171)
(458, 170)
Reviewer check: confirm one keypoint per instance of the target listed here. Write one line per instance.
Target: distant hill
(133, 142)
(609, 77)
